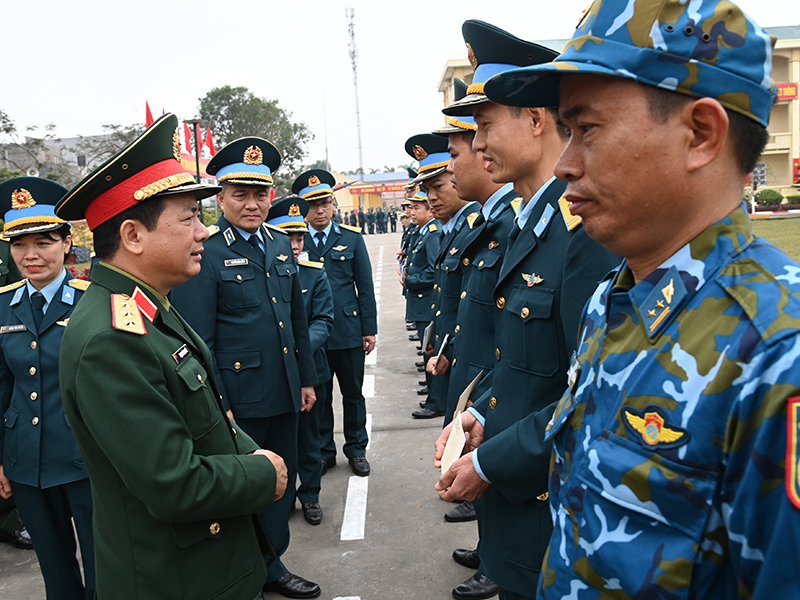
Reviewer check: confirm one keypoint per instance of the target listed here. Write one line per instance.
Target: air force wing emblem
(650, 427)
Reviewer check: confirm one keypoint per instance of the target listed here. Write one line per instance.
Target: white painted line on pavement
(355, 509)
(369, 430)
(368, 388)
(377, 298)
(371, 358)
(347, 598)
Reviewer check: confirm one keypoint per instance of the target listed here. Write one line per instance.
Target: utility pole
(351, 25)
(194, 123)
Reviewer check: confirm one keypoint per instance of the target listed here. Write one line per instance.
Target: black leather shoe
(423, 382)
(312, 512)
(19, 539)
(422, 403)
(294, 586)
(421, 369)
(426, 413)
(360, 465)
(467, 558)
(419, 348)
(462, 513)
(328, 464)
(420, 353)
(414, 337)
(423, 391)
(411, 327)
(477, 587)
(419, 364)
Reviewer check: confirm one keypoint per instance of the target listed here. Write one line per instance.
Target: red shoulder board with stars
(792, 474)
(146, 306)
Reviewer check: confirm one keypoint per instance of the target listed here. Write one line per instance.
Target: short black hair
(106, 235)
(562, 131)
(749, 137)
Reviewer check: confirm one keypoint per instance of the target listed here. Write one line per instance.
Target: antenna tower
(351, 27)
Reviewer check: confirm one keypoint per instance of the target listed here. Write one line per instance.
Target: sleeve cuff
(477, 465)
(478, 416)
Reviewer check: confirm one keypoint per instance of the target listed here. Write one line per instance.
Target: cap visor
(463, 107)
(200, 190)
(30, 228)
(428, 174)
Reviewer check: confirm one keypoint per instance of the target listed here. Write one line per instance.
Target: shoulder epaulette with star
(515, 205)
(432, 227)
(471, 219)
(80, 284)
(212, 230)
(311, 263)
(571, 221)
(125, 315)
(350, 227)
(11, 286)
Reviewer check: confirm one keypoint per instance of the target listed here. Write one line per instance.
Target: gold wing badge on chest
(532, 279)
(651, 428)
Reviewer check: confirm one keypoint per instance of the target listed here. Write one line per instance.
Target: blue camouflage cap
(701, 48)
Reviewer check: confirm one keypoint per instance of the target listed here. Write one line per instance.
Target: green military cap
(246, 161)
(703, 48)
(491, 51)
(148, 167)
(27, 204)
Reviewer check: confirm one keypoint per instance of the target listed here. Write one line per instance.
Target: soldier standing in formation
(344, 253)
(247, 305)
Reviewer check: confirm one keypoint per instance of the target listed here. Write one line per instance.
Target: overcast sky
(86, 63)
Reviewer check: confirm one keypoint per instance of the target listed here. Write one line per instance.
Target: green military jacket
(174, 491)
(9, 273)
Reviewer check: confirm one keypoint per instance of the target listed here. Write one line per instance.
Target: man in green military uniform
(343, 251)
(175, 484)
(289, 215)
(549, 270)
(247, 305)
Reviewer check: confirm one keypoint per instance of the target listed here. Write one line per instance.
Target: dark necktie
(320, 235)
(37, 301)
(253, 241)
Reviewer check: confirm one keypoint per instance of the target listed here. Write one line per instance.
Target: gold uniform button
(285, 350)
(355, 313)
(321, 259)
(543, 497)
(497, 353)
(34, 396)
(235, 435)
(274, 300)
(493, 403)
(454, 361)
(433, 306)
(267, 274)
(480, 264)
(239, 277)
(419, 295)
(341, 258)
(438, 312)
(437, 337)
(465, 260)
(35, 420)
(237, 365)
(199, 378)
(463, 295)
(501, 303)
(33, 345)
(525, 312)
(214, 528)
(281, 324)
(32, 370)
(458, 328)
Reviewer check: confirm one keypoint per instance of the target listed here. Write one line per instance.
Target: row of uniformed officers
(184, 329)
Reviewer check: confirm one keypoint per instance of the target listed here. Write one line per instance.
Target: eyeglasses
(320, 204)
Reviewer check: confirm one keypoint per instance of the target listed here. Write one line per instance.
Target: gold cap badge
(22, 199)
(471, 57)
(419, 152)
(253, 156)
(176, 144)
(313, 180)
(294, 210)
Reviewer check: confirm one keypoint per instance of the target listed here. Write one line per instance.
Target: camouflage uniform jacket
(668, 476)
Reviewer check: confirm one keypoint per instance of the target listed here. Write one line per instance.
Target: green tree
(20, 154)
(98, 148)
(234, 112)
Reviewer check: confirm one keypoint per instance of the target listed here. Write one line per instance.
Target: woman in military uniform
(40, 462)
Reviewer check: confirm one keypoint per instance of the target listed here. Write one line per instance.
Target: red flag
(199, 139)
(187, 135)
(148, 116)
(210, 142)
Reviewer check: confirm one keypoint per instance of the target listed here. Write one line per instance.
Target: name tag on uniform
(236, 262)
(12, 328)
(181, 354)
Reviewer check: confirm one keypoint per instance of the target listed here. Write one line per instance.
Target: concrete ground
(405, 551)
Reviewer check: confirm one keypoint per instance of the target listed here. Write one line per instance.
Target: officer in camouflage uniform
(675, 465)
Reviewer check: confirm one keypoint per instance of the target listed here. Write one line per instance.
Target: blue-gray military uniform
(347, 265)
(248, 307)
(549, 270)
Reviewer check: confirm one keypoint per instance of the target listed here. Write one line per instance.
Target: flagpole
(194, 123)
